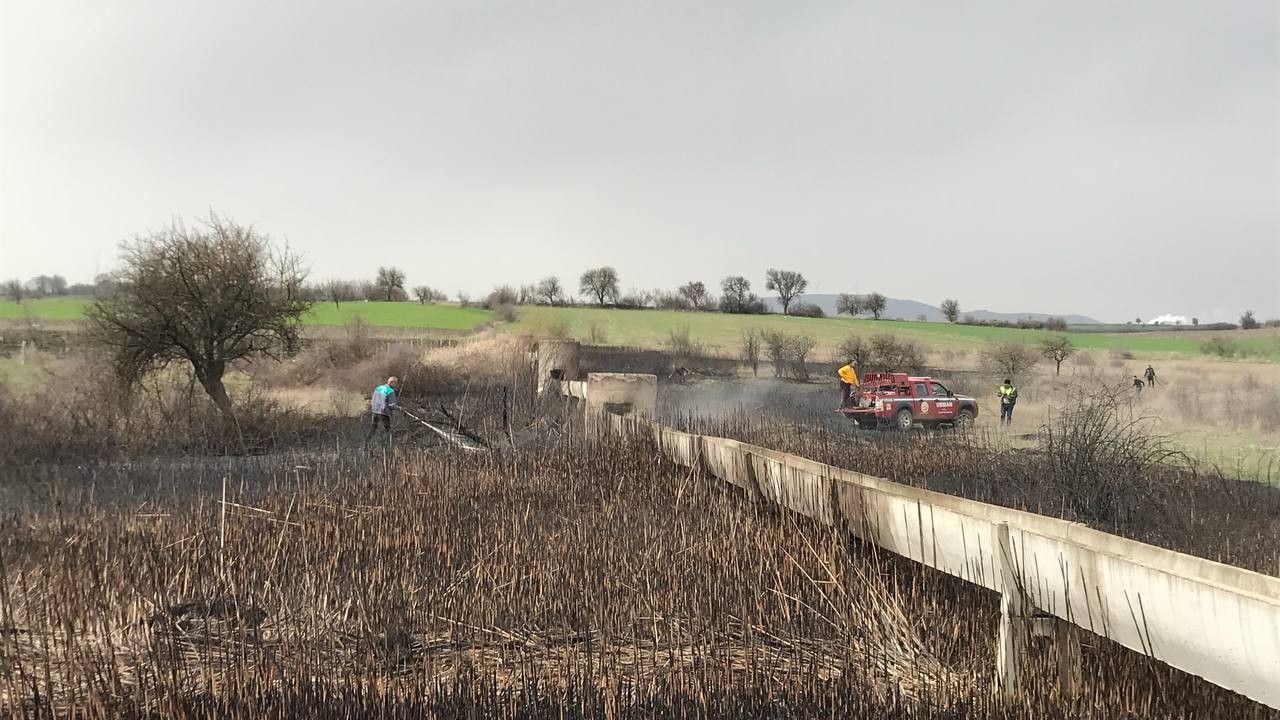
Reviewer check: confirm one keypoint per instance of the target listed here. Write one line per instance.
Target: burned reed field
(566, 579)
(1106, 473)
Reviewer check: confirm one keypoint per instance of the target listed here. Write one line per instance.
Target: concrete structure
(557, 360)
(1216, 621)
(622, 394)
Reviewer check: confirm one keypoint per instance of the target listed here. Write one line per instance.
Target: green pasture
(392, 314)
(651, 328)
(59, 308)
(399, 314)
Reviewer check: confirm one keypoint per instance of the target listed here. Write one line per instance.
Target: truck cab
(903, 401)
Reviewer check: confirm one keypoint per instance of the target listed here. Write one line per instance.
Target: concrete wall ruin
(623, 394)
(558, 360)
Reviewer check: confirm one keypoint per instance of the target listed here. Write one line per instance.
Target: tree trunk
(211, 380)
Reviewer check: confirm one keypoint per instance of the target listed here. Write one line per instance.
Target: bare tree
(1057, 348)
(600, 283)
(951, 309)
(207, 296)
(527, 295)
(874, 303)
(695, 293)
(390, 281)
(38, 286)
(501, 295)
(340, 291)
(788, 284)
(847, 304)
(549, 291)
(751, 351)
(789, 353)
(736, 297)
(1248, 321)
(425, 294)
(13, 288)
(1010, 358)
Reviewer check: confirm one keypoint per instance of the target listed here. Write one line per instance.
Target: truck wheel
(964, 419)
(904, 420)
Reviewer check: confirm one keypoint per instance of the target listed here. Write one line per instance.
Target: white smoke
(1170, 320)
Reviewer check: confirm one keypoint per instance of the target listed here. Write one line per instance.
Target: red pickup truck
(902, 401)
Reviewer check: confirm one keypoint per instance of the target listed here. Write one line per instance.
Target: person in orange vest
(848, 381)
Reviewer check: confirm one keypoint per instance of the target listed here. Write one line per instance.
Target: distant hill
(913, 309)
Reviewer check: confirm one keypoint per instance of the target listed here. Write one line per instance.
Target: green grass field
(651, 328)
(399, 314)
(63, 308)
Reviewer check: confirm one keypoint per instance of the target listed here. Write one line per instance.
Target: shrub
(427, 295)
(501, 295)
(681, 345)
(1054, 324)
(789, 353)
(751, 351)
(635, 299)
(890, 353)
(883, 353)
(1094, 439)
(504, 313)
(1220, 346)
(597, 334)
(807, 310)
(670, 301)
(1009, 358)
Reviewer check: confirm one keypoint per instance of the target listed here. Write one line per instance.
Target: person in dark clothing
(1151, 376)
(382, 404)
(1137, 385)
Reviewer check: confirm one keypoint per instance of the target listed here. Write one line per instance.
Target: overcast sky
(1115, 159)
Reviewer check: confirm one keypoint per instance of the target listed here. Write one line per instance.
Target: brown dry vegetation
(573, 581)
(545, 578)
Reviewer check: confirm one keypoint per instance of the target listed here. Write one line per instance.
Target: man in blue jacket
(383, 403)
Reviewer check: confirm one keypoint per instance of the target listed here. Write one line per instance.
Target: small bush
(789, 353)
(681, 345)
(809, 310)
(504, 313)
(1220, 347)
(884, 352)
(670, 301)
(1099, 448)
(751, 342)
(501, 295)
(597, 334)
(1010, 358)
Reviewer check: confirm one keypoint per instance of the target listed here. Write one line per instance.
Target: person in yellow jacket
(848, 381)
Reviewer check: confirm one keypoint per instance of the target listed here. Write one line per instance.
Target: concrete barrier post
(1015, 611)
(1066, 641)
(557, 361)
